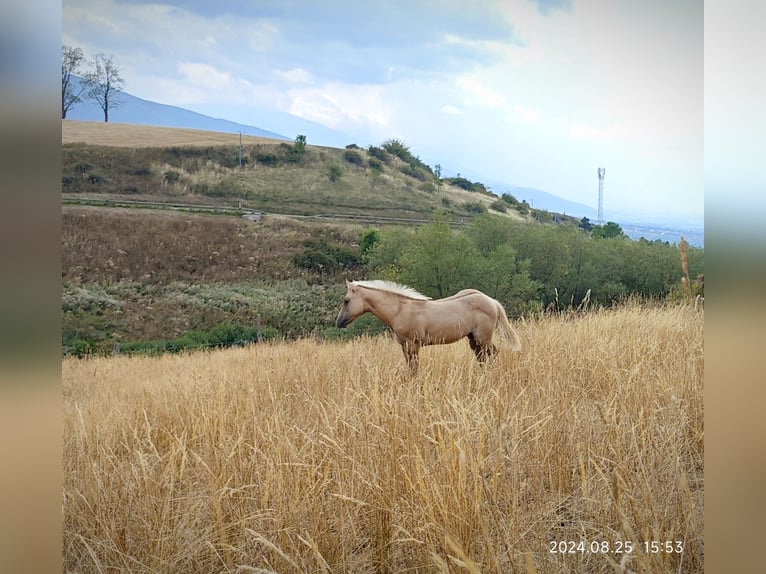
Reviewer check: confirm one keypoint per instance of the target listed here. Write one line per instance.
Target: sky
(507, 92)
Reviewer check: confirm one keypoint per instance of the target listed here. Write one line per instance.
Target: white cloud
(295, 76)
(204, 75)
(451, 110)
(523, 115)
(478, 93)
(341, 106)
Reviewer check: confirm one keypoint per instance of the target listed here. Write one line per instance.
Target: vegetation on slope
(152, 280)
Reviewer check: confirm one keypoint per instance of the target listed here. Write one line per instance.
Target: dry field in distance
(324, 457)
(132, 135)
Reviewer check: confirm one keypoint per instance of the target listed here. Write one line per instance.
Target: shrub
(414, 172)
(500, 206)
(141, 171)
(474, 207)
(269, 159)
(353, 157)
(398, 148)
(171, 176)
(296, 152)
(334, 172)
(322, 257)
(370, 238)
(224, 335)
(379, 154)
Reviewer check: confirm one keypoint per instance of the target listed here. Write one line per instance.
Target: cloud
(478, 93)
(451, 110)
(295, 76)
(204, 75)
(523, 115)
(341, 106)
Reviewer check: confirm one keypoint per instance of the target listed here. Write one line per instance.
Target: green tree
(298, 150)
(398, 148)
(502, 275)
(548, 249)
(488, 232)
(370, 239)
(609, 231)
(438, 261)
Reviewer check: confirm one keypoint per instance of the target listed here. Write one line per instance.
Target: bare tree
(104, 83)
(71, 59)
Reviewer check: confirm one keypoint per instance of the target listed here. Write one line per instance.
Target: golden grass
(324, 457)
(131, 135)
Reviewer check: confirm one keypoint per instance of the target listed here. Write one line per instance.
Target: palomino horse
(417, 320)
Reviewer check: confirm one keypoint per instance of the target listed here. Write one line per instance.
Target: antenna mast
(601, 172)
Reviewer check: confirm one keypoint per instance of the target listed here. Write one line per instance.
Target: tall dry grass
(325, 457)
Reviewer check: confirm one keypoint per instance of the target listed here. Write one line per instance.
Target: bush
(322, 257)
(334, 172)
(141, 171)
(353, 157)
(499, 205)
(414, 172)
(379, 154)
(224, 335)
(399, 149)
(474, 207)
(269, 159)
(370, 238)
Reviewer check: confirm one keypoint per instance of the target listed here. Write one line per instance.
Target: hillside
(128, 162)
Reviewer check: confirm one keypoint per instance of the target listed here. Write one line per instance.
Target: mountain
(135, 110)
(539, 199)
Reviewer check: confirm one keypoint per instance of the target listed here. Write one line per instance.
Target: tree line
(527, 266)
(100, 82)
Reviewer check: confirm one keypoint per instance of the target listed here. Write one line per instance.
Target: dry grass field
(132, 135)
(325, 457)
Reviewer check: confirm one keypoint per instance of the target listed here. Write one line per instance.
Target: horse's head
(353, 305)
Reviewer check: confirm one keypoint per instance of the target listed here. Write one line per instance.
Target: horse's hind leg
(481, 350)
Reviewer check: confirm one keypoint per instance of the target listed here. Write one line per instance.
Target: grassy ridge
(272, 177)
(317, 456)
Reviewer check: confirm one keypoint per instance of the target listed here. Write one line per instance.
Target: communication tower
(601, 172)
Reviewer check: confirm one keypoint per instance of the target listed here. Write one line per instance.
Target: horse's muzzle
(341, 323)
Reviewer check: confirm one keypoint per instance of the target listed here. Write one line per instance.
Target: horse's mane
(392, 287)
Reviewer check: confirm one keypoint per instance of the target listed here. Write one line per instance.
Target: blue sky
(535, 94)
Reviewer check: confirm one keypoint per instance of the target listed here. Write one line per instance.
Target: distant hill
(539, 199)
(134, 110)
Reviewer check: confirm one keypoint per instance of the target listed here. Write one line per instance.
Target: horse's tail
(508, 332)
